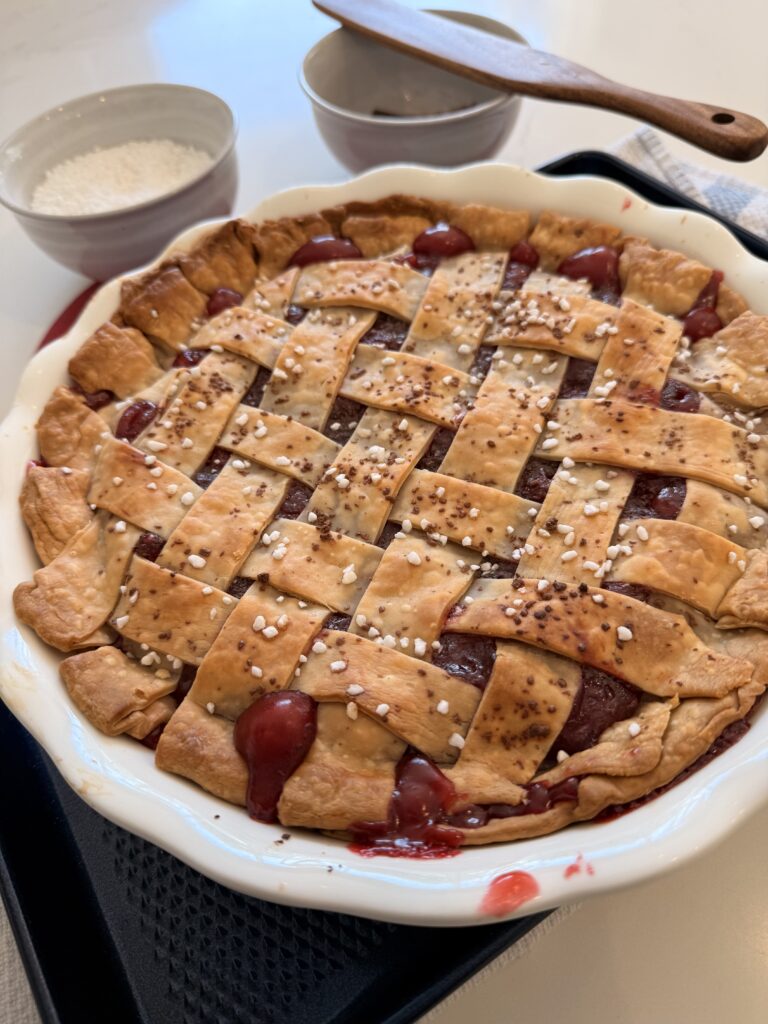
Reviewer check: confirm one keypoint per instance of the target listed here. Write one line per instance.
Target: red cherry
(701, 323)
(524, 253)
(324, 248)
(442, 240)
(189, 357)
(135, 418)
(599, 265)
(221, 299)
(677, 396)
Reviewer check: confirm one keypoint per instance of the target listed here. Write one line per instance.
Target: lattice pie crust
(321, 487)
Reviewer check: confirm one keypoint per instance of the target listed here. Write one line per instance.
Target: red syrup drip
(221, 299)
(523, 258)
(437, 243)
(134, 419)
(507, 892)
(701, 320)
(273, 736)
(600, 266)
(420, 799)
(324, 248)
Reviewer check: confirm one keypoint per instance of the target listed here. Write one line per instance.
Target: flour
(103, 180)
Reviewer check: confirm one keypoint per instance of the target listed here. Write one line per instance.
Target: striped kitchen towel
(739, 201)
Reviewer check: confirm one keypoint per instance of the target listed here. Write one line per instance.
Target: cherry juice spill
(507, 892)
(419, 801)
(273, 736)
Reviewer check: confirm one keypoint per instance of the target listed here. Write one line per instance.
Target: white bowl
(104, 244)
(443, 119)
(118, 776)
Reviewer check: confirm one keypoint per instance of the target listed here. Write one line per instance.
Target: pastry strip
(497, 436)
(273, 296)
(220, 529)
(347, 776)
(356, 493)
(371, 284)
(201, 747)
(69, 599)
(279, 442)
(631, 747)
(453, 316)
(253, 335)
(312, 364)
(115, 359)
(169, 612)
(244, 661)
(681, 560)
(54, 506)
(68, 432)
(322, 566)
(400, 691)
(406, 383)
(522, 711)
(636, 359)
(162, 304)
(613, 634)
(746, 603)
(116, 693)
(725, 514)
(477, 517)
(733, 362)
(572, 532)
(412, 590)
(140, 489)
(574, 325)
(183, 434)
(678, 443)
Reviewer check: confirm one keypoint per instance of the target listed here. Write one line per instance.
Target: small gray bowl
(104, 244)
(440, 118)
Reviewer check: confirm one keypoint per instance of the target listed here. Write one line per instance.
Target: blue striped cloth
(741, 202)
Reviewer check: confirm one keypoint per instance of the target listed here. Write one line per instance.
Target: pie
(415, 523)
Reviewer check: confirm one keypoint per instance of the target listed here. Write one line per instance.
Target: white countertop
(688, 947)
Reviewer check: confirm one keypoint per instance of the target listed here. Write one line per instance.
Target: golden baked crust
(54, 507)
(115, 359)
(374, 482)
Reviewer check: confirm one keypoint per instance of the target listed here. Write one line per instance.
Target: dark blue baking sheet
(111, 928)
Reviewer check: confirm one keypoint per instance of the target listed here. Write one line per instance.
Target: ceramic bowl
(118, 777)
(430, 116)
(104, 244)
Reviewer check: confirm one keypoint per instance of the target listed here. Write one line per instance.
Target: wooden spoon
(503, 64)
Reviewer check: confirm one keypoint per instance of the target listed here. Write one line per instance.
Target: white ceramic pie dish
(117, 776)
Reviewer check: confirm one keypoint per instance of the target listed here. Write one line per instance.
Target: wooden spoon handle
(504, 64)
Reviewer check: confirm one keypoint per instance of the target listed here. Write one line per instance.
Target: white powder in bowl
(109, 179)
